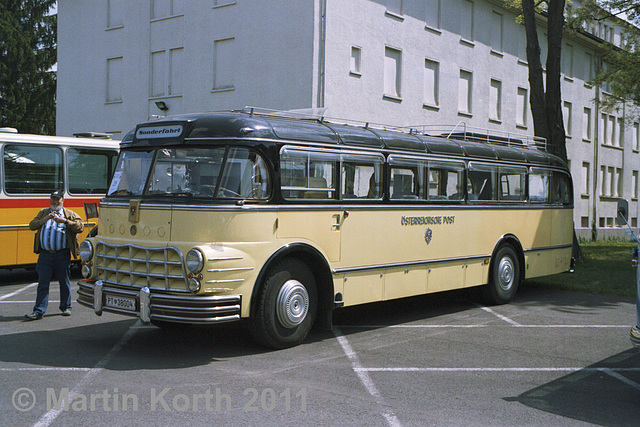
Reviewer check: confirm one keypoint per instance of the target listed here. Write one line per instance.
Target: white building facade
(399, 62)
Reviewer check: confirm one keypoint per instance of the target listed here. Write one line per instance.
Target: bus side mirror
(623, 212)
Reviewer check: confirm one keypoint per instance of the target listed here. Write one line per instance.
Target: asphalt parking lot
(548, 358)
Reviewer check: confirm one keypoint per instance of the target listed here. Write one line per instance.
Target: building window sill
(392, 98)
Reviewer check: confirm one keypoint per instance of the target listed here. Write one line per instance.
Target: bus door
(308, 177)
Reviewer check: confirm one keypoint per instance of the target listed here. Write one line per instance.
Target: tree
(28, 54)
(621, 64)
(546, 103)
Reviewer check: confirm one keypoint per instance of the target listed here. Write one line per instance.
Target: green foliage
(606, 270)
(28, 53)
(620, 72)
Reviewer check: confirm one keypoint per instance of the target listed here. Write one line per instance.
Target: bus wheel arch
(506, 271)
(292, 277)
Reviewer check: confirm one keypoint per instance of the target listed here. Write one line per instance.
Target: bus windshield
(220, 172)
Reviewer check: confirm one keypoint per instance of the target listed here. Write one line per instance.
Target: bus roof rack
(459, 132)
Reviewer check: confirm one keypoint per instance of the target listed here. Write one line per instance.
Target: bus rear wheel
(286, 305)
(504, 277)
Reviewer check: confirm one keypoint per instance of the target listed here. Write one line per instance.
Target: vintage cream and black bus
(277, 220)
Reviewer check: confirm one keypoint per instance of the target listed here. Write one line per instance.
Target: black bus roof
(243, 124)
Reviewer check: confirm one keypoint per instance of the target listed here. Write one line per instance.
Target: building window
(392, 72)
(166, 72)
(224, 64)
(522, 107)
(584, 222)
(567, 61)
(115, 13)
(603, 181)
(618, 184)
(585, 178)
(588, 68)
(114, 80)
(586, 125)
(466, 20)
(495, 100)
(432, 13)
(465, 87)
(634, 184)
(431, 82)
(497, 28)
(165, 8)
(356, 60)
(620, 133)
(636, 137)
(566, 115)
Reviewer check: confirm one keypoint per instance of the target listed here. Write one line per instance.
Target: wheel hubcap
(292, 304)
(505, 274)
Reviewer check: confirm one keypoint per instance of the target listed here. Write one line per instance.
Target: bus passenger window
(512, 184)
(560, 188)
(444, 182)
(403, 184)
(307, 174)
(481, 183)
(32, 169)
(89, 170)
(362, 180)
(539, 186)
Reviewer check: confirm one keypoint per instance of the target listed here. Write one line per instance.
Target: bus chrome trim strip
(405, 264)
(548, 248)
(346, 270)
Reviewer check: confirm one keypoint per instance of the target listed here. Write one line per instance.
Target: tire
(286, 305)
(504, 277)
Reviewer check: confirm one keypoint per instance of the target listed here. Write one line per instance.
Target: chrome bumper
(151, 305)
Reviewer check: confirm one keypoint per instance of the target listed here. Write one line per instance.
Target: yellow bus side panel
(360, 288)
(404, 282)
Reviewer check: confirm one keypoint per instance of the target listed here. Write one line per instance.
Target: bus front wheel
(286, 305)
(504, 276)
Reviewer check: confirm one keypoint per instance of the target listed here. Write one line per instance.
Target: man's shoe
(33, 316)
(66, 312)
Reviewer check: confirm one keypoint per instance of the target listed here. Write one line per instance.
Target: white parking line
(487, 369)
(498, 315)
(614, 373)
(366, 380)
(52, 414)
(4, 297)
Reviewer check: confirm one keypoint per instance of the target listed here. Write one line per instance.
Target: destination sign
(427, 220)
(168, 131)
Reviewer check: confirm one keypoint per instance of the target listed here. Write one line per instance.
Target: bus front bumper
(150, 305)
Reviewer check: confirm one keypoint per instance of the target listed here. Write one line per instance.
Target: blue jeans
(48, 263)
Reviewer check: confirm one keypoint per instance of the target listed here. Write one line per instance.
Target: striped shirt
(53, 236)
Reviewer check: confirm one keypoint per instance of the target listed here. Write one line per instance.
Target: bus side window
(308, 174)
(361, 178)
(539, 186)
(32, 169)
(560, 188)
(481, 183)
(444, 182)
(512, 182)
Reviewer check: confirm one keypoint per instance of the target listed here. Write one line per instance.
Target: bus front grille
(137, 266)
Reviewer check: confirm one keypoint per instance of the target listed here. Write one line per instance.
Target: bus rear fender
(321, 271)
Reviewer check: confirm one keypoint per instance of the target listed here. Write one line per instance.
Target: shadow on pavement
(606, 393)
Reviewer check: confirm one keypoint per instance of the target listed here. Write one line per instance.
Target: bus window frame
(523, 182)
(59, 147)
(460, 168)
(482, 167)
(112, 160)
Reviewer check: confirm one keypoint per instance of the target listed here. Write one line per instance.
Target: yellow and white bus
(278, 220)
(32, 167)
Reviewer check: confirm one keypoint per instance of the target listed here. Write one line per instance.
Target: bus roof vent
(98, 135)
(8, 130)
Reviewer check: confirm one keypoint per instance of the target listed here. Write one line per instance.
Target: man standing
(56, 239)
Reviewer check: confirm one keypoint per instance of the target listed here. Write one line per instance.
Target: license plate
(121, 302)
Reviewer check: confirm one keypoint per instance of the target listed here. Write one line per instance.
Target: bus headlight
(86, 251)
(195, 261)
